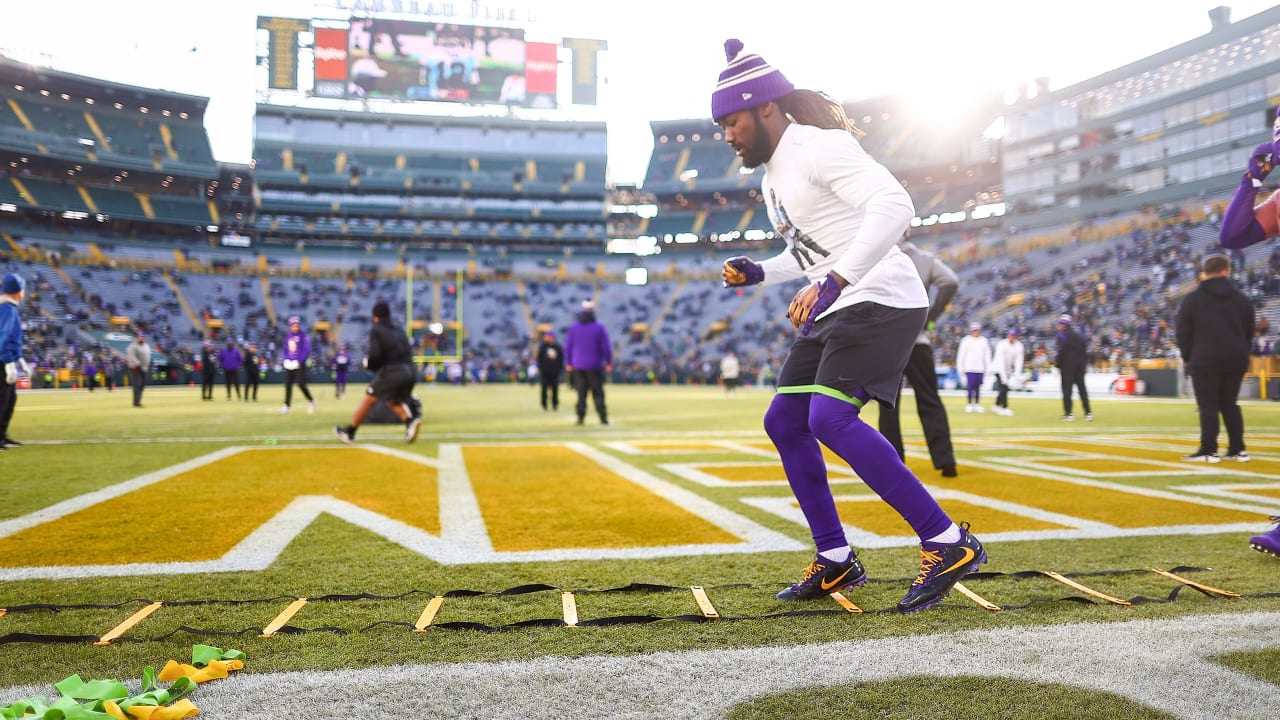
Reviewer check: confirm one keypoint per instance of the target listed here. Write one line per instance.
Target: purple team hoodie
(587, 345)
(229, 358)
(297, 346)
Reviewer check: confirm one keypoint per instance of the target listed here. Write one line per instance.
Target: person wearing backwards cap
(297, 350)
(840, 214)
(12, 291)
(1071, 361)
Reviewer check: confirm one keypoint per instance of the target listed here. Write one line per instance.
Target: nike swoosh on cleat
(968, 555)
(827, 586)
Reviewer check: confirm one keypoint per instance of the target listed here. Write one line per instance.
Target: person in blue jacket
(12, 291)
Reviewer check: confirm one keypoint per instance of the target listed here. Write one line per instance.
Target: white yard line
(1161, 664)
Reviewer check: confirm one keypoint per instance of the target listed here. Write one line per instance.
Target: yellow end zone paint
(764, 472)
(769, 472)
(203, 513)
(1121, 452)
(1263, 491)
(537, 497)
(767, 446)
(676, 447)
(1113, 507)
(1105, 465)
(877, 517)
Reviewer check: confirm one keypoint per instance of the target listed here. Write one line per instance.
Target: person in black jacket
(208, 370)
(1071, 362)
(941, 282)
(1214, 327)
(550, 368)
(390, 359)
(252, 371)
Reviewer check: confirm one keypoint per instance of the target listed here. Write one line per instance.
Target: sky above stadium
(664, 55)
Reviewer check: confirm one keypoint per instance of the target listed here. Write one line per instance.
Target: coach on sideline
(14, 290)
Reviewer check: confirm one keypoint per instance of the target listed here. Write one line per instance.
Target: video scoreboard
(408, 60)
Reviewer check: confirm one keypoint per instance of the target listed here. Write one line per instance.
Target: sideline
(1163, 664)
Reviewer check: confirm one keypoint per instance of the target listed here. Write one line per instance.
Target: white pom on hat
(747, 82)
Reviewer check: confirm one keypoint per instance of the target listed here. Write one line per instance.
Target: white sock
(841, 554)
(950, 536)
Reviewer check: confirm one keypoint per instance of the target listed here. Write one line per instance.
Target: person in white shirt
(1006, 362)
(840, 214)
(138, 357)
(973, 359)
(729, 371)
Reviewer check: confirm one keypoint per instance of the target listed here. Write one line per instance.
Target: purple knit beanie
(748, 81)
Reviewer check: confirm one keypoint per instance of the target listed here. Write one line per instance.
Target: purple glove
(814, 300)
(1240, 227)
(1261, 162)
(741, 270)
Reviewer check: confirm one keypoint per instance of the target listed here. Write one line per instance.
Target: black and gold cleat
(941, 567)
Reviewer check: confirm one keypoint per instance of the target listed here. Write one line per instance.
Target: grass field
(226, 513)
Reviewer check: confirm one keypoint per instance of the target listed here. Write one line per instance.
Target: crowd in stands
(1123, 294)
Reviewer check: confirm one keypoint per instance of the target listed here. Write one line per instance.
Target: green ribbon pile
(110, 699)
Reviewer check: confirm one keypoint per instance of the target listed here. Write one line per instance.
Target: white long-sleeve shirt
(837, 209)
(973, 354)
(138, 355)
(729, 367)
(1007, 359)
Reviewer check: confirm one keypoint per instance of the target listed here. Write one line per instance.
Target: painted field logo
(238, 508)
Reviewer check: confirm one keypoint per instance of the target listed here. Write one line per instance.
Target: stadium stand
(113, 203)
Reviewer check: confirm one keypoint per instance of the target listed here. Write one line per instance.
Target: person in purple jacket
(341, 364)
(230, 359)
(297, 350)
(588, 354)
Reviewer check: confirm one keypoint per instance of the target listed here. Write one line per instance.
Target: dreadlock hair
(810, 107)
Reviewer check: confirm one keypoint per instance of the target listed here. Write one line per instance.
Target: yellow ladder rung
(981, 601)
(1191, 583)
(570, 606)
(1090, 591)
(284, 617)
(129, 622)
(428, 614)
(704, 603)
(844, 603)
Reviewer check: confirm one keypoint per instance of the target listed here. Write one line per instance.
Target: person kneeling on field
(390, 359)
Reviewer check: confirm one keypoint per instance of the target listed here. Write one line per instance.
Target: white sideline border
(1161, 664)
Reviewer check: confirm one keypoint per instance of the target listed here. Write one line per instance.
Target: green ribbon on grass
(82, 700)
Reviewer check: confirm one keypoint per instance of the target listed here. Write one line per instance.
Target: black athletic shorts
(865, 346)
(393, 383)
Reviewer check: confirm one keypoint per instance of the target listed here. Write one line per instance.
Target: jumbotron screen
(407, 60)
